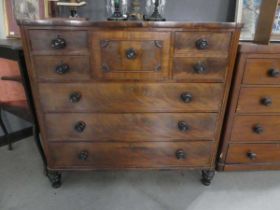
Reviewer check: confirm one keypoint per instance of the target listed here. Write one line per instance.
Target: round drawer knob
(180, 154)
(258, 129)
(83, 155)
(201, 44)
(75, 97)
(58, 43)
(274, 73)
(183, 126)
(251, 155)
(266, 101)
(131, 54)
(62, 69)
(186, 97)
(80, 126)
(199, 68)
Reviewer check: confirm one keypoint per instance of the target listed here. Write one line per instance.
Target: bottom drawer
(129, 155)
(253, 153)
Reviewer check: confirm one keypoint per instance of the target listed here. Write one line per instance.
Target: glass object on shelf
(116, 9)
(155, 10)
(135, 11)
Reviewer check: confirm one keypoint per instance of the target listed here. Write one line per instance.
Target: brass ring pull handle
(131, 54)
(58, 43)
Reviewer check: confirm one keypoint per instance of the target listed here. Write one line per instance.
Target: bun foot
(55, 178)
(207, 176)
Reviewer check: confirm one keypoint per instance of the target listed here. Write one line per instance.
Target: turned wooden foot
(207, 176)
(55, 178)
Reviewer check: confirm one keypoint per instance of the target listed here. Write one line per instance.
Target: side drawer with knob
(131, 97)
(262, 71)
(259, 100)
(253, 153)
(131, 127)
(200, 69)
(200, 44)
(62, 68)
(50, 42)
(130, 155)
(256, 128)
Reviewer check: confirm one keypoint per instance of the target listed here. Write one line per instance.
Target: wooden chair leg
(5, 131)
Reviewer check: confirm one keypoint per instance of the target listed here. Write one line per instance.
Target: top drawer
(262, 71)
(131, 55)
(58, 42)
(210, 44)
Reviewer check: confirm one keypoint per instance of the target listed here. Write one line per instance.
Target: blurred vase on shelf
(155, 10)
(116, 10)
(135, 11)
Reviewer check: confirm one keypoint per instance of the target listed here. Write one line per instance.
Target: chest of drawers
(130, 95)
(252, 129)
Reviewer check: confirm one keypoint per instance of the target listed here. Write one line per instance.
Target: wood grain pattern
(258, 71)
(131, 97)
(215, 69)
(265, 153)
(76, 42)
(45, 67)
(185, 43)
(250, 100)
(243, 128)
(130, 155)
(151, 55)
(127, 127)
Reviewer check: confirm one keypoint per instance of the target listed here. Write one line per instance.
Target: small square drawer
(213, 44)
(253, 153)
(256, 128)
(62, 68)
(262, 71)
(131, 55)
(200, 69)
(58, 42)
(259, 100)
(130, 155)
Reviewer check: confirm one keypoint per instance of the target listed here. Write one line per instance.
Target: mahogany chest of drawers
(251, 140)
(130, 95)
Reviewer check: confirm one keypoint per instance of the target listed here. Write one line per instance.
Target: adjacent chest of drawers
(252, 130)
(130, 95)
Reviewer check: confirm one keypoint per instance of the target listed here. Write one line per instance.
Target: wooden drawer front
(62, 68)
(262, 71)
(76, 42)
(130, 155)
(131, 97)
(215, 44)
(131, 127)
(253, 153)
(131, 55)
(256, 128)
(201, 69)
(256, 100)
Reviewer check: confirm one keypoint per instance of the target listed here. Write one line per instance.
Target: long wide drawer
(130, 155)
(253, 153)
(256, 128)
(256, 100)
(131, 97)
(130, 127)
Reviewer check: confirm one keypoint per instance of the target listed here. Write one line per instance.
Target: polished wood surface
(130, 155)
(260, 71)
(131, 97)
(126, 127)
(251, 136)
(138, 104)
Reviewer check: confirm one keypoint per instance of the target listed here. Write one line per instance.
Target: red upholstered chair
(12, 96)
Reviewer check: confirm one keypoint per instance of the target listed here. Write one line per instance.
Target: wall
(181, 10)
(2, 33)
